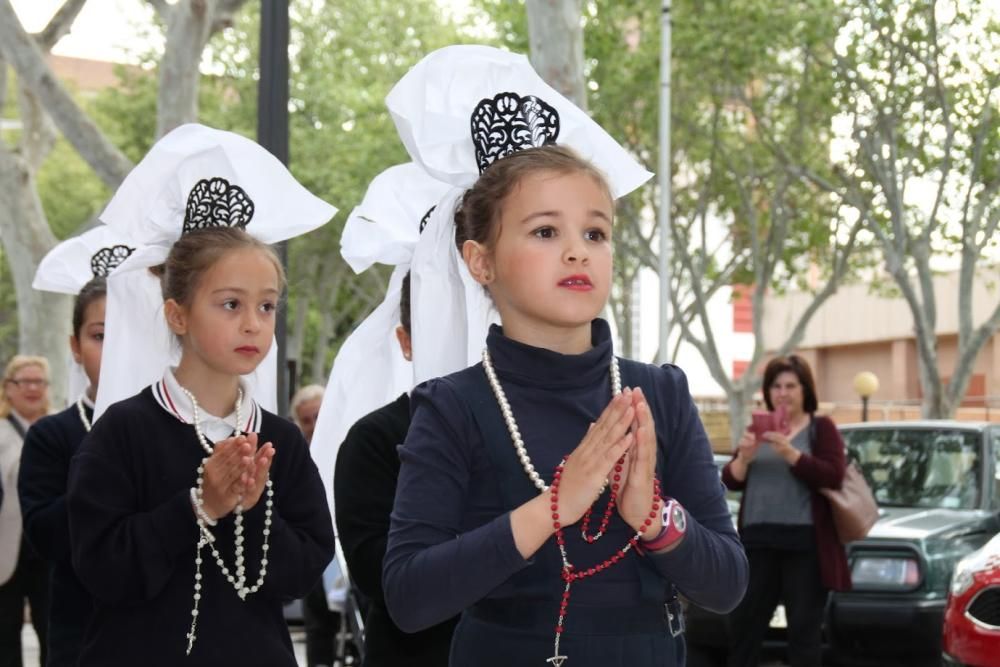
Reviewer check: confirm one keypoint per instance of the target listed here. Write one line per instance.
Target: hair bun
(158, 271)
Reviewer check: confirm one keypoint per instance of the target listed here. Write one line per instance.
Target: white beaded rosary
(237, 579)
(83, 414)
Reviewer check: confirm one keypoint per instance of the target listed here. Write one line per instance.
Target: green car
(937, 484)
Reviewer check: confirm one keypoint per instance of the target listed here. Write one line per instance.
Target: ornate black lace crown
(215, 202)
(427, 218)
(509, 123)
(107, 260)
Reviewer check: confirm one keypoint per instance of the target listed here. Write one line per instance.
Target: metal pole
(272, 134)
(864, 408)
(666, 241)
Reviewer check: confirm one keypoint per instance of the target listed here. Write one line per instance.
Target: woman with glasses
(24, 399)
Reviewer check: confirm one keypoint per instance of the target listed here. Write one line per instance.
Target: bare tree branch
(20, 50)
(59, 25)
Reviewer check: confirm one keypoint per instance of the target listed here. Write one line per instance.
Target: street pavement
(29, 644)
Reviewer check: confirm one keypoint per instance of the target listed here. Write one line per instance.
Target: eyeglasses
(29, 383)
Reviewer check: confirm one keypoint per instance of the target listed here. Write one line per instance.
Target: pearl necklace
(83, 414)
(237, 579)
(508, 416)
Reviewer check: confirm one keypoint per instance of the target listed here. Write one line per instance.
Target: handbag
(853, 505)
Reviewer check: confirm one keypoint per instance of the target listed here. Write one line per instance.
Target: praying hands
(235, 473)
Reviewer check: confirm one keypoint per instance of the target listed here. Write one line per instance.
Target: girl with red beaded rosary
(195, 513)
(557, 495)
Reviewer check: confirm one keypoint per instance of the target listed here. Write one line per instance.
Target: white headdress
(71, 265)
(370, 369)
(193, 177)
(457, 111)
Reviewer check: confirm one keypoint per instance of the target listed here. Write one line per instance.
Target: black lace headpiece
(215, 202)
(107, 260)
(427, 218)
(509, 123)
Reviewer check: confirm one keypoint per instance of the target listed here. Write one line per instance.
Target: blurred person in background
(24, 399)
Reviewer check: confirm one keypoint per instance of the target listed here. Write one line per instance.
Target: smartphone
(764, 422)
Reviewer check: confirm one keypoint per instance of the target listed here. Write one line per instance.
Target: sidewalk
(29, 645)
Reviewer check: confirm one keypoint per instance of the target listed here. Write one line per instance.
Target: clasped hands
(624, 429)
(235, 473)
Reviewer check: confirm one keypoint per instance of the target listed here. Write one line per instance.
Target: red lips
(577, 282)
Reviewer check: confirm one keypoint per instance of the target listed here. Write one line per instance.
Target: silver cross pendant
(557, 660)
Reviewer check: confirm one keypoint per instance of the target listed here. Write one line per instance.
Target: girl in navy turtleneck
(560, 517)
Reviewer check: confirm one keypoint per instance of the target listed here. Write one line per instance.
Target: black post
(864, 408)
(272, 134)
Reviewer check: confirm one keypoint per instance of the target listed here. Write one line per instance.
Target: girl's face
(89, 342)
(28, 391)
(550, 268)
(228, 326)
(787, 390)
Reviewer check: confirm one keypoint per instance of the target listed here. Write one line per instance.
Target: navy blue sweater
(48, 448)
(451, 544)
(134, 540)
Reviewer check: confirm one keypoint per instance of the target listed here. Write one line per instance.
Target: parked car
(939, 500)
(972, 616)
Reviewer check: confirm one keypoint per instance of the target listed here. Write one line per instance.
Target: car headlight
(885, 572)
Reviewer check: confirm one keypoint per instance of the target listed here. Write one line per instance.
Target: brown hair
(93, 291)
(195, 252)
(791, 364)
(16, 363)
(404, 304)
(478, 212)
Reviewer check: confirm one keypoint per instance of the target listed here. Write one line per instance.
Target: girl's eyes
(233, 304)
(595, 235)
(98, 337)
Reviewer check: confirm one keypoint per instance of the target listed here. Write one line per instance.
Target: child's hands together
(635, 491)
(236, 472)
(592, 461)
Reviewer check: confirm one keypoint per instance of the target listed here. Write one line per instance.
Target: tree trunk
(43, 317)
(188, 29)
(189, 26)
(739, 409)
(555, 33)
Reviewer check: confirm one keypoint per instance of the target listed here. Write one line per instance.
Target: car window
(912, 467)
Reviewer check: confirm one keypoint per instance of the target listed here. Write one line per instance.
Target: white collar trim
(171, 397)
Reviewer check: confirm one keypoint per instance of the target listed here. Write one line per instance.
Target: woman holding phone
(785, 523)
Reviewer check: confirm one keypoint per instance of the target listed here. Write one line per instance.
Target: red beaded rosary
(569, 572)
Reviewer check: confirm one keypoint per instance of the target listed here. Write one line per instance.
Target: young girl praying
(45, 460)
(558, 496)
(194, 513)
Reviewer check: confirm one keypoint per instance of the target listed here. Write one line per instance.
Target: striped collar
(171, 397)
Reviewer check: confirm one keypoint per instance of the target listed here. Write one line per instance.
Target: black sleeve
(41, 484)
(301, 540)
(364, 485)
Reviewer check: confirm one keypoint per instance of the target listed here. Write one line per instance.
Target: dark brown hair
(478, 212)
(791, 364)
(94, 290)
(404, 304)
(196, 252)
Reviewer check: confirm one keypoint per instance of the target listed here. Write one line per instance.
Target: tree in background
(917, 86)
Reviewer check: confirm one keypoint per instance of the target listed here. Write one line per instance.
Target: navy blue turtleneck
(451, 545)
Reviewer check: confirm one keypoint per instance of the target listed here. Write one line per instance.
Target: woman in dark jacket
(785, 523)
